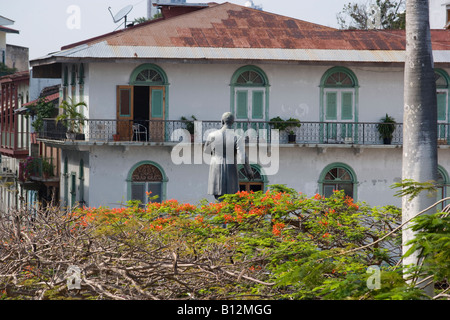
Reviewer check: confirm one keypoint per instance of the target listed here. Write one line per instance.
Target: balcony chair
(138, 131)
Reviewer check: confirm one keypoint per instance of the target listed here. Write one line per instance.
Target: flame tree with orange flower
(279, 244)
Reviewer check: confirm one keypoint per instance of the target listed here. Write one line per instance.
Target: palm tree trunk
(420, 115)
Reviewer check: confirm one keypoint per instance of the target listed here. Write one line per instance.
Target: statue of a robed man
(227, 150)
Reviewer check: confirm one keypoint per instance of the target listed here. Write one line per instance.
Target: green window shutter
(241, 104)
(157, 103)
(138, 192)
(258, 105)
(347, 106)
(441, 105)
(331, 106)
(156, 190)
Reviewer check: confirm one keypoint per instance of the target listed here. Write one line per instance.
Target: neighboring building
(139, 82)
(17, 57)
(4, 30)
(152, 6)
(16, 143)
(439, 14)
(39, 173)
(14, 136)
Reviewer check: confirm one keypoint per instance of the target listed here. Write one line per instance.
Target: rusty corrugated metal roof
(49, 98)
(229, 31)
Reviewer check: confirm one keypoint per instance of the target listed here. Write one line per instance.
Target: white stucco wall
(203, 90)
(438, 13)
(110, 166)
(107, 168)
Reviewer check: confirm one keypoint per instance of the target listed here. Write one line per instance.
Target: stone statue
(227, 151)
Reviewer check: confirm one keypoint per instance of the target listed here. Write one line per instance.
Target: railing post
(363, 133)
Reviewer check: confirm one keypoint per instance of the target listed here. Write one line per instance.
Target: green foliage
(356, 15)
(5, 70)
(140, 20)
(189, 123)
(386, 127)
(72, 117)
(411, 189)
(433, 244)
(285, 125)
(41, 110)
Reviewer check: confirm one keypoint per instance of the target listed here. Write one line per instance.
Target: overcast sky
(47, 25)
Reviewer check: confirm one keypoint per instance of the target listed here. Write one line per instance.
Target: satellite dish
(123, 13)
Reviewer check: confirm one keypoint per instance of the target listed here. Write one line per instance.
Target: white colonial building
(203, 61)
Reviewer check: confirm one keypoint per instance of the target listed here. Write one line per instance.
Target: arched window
(442, 86)
(249, 94)
(442, 185)
(338, 176)
(148, 75)
(257, 184)
(339, 101)
(147, 180)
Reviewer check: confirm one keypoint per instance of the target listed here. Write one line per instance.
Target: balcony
(14, 143)
(43, 170)
(166, 132)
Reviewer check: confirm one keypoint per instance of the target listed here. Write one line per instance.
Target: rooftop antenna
(122, 14)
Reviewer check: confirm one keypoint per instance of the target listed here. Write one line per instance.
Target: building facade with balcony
(39, 173)
(14, 136)
(139, 83)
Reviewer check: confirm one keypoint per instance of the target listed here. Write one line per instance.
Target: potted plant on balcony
(190, 125)
(73, 119)
(287, 126)
(47, 169)
(386, 128)
(292, 123)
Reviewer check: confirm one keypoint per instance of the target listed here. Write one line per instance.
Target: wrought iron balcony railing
(159, 131)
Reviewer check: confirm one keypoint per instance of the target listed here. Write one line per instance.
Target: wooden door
(125, 106)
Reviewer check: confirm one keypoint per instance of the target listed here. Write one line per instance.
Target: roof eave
(103, 52)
